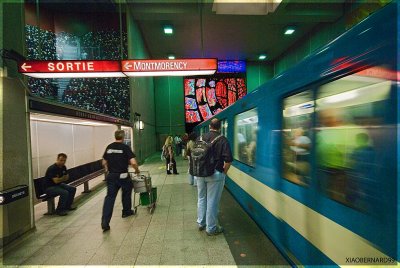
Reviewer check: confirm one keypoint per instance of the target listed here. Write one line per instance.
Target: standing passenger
(210, 188)
(185, 140)
(169, 156)
(189, 148)
(178, 144)
(56, 174)
(116, 159)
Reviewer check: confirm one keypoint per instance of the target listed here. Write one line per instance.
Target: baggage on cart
(147, 193)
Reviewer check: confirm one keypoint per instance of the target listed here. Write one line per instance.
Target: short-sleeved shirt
(52, 172)
(303, 140)
(118, 155)
(221, 149)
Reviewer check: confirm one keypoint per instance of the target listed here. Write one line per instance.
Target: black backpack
(203, 158)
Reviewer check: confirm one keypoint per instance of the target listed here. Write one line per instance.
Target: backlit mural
(205, 97)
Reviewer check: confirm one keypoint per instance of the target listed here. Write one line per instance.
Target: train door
(296, 162)
(296, 148)
(338, 160)
(355, 162)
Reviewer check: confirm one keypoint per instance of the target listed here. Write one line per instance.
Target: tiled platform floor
(169, 236)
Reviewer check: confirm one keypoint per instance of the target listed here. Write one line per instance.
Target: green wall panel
(170, 107)
(257, 74)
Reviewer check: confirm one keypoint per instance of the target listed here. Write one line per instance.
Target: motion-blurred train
(316, 150)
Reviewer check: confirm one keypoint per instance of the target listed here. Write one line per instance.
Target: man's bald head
(215, 124)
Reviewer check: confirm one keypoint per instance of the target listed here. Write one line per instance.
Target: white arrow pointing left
(128, 66)
(25, 67)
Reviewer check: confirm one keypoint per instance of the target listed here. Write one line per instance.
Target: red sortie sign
(69, 66)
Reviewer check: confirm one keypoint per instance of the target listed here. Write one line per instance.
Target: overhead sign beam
(104, 68)
(178, 67)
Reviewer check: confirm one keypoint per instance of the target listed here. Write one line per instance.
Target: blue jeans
(209, 194)
(192, 180)
(113, 185)
(66, 193)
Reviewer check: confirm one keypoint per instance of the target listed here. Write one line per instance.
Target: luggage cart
(147, 194)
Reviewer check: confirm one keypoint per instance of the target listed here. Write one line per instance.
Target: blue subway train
(316, 150)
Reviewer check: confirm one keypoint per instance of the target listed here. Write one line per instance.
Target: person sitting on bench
(56, 174)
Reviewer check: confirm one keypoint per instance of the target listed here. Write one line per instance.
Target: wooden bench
(77, 176)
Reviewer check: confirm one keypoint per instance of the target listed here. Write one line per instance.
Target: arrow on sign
(127, 66)
(25, 67)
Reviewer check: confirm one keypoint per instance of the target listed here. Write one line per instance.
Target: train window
(352, 138)
(224, 127)
(297, 119)
(245, 141)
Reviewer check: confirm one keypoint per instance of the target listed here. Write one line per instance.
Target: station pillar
(15, 159)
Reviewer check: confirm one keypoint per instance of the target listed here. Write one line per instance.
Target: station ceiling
(199, 31)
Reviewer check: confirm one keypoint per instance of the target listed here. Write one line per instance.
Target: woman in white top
(169, 156)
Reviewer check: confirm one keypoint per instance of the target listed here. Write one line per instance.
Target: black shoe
(169, 173)
(61, 213)
(218, 230)
(202, 228)
(105, 228)
(127, 214)
(72, 208)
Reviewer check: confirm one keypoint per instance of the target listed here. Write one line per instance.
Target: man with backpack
(212, 158)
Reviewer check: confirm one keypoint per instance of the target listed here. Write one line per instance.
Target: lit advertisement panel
(205, 111)
(231, 66)
(205, 97)
(190, 104)
(189, 86)
(192, 116)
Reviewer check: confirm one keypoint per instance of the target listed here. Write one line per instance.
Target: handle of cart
(142, 185)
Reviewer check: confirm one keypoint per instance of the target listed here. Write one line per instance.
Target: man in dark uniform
(116, 159)
(210, 188)
(56, 174)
